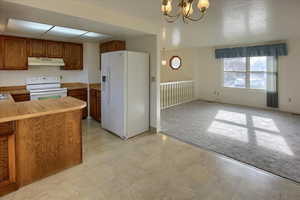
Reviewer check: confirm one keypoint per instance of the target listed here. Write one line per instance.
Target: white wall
(185, 72)
(289, 78)
(209, 76)
(151, 45)
(91, 61)
(210, 83)
(90, 73)
(13, 78)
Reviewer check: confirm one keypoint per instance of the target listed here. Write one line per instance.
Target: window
(247, 72)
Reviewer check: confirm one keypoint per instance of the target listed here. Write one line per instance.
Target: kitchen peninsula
(37, 139)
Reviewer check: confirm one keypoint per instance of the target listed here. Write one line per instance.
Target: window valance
(251, 51)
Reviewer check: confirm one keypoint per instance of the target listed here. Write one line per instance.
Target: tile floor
(155, 167)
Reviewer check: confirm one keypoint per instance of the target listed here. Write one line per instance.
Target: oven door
(47, 95)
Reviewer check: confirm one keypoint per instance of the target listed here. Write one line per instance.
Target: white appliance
(34, 61)
(45, 87)
(125, 93)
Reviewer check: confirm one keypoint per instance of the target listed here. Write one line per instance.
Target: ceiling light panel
(21, 26)
(65, 32)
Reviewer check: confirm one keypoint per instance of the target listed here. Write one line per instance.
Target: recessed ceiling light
(63, 31)
(94, 35)
(26, 26)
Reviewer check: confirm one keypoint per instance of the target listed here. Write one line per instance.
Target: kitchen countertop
(74, 86)
(16, 92)
(12, 111)
(19, 90)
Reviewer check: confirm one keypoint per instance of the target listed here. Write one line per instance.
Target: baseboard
(249, 106)
(153, 130)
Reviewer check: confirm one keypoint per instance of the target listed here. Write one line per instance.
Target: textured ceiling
(228, 22)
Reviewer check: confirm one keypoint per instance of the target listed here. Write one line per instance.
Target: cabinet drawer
(77, 92)
(81, 97)
(21, 97)
(7, 128)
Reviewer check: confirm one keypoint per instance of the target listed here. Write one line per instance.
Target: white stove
(45, 87)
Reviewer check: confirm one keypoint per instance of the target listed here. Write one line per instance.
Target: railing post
(177, 92)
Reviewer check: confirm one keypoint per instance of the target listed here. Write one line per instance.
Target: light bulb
(187, 9)
(166, 6)
(164, 62)
(203, 5)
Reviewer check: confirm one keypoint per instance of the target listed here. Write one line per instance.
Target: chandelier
(185, 9)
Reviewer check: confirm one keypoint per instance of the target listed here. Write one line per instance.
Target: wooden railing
(175, 93)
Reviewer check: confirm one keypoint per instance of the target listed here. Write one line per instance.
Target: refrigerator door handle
(108, 86)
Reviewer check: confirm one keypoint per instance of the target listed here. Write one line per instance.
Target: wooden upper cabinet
(73, 56)
(115, 45)
(55, 49)
(15, 53)
(37, 48)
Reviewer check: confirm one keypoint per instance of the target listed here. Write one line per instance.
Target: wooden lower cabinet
(7, 158)
(48, 144)
(95, 104)
(82, 95)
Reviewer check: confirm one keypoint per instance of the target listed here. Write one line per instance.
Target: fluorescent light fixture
(63, 31)
(93, 35)
(26, 26)
(49, 31)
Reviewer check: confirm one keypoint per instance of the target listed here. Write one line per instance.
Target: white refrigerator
(125, 93)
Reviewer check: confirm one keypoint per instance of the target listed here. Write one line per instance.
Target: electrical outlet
(153, 79)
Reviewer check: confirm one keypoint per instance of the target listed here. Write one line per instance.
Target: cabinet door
(1, 53)
(115, 45)
(73, 54)
(82, 95)
(15, 55)
(37, 48)
(93, 104)
(95, 107)
(54, 49)
(7, 158)
(98, 101)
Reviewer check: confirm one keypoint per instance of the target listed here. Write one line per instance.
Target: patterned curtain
(272, 83)
(250, 51)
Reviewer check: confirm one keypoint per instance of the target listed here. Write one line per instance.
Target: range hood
(34, 61)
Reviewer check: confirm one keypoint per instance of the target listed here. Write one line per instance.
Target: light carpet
(268, 140)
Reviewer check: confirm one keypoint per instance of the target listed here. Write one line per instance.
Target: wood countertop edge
(39, 114)
(16, 117)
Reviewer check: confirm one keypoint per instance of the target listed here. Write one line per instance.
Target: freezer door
(113, 94)
(105, 93)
